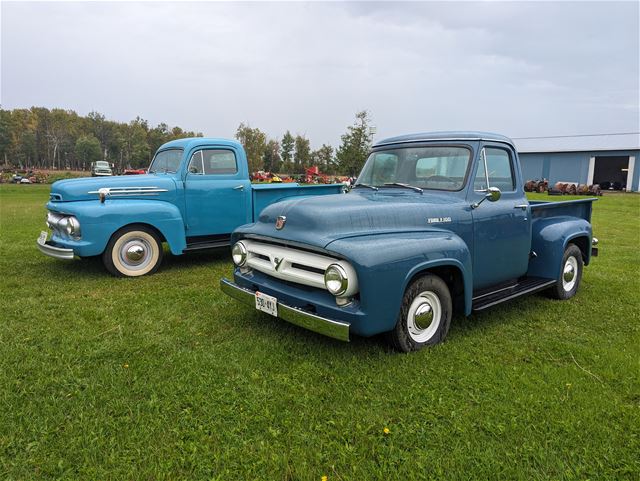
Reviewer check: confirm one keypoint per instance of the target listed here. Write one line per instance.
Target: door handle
(239, 187)
(521, 206)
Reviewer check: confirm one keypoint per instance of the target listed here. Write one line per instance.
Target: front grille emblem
(280, 221)
(278, 262)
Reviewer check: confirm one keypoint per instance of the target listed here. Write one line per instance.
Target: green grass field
(164, 377)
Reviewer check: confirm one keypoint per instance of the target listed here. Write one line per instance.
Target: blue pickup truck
(196, 192)
(437, 223)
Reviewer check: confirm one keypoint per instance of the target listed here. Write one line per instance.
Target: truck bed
(267, 194)
(576, 208)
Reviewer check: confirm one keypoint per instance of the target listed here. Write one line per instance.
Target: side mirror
(493, 194)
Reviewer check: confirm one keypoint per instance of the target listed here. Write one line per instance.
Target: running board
(523, 287)
(198, 246)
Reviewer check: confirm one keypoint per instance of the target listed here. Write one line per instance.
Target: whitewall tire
(133, 251)
(425, 315)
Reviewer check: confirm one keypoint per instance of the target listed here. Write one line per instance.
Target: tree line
(61, 139)
(294, 154)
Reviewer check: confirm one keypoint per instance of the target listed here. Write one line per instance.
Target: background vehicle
(101, 168)
(436, 223)
(196, 193)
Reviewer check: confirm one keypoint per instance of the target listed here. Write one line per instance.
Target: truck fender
(387, 263)
(549, 239)
(464, 268)
(99, 221)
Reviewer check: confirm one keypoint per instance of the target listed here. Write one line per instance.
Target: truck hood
(79, 189)
(318, 221)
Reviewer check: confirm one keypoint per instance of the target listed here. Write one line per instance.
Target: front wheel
(570, 274)
(133, 251)
(425, 315)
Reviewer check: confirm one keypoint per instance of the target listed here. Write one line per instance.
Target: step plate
(206, 245)
(524, 287)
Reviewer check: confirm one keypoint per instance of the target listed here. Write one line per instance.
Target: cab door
(501, 229)
(216, 192)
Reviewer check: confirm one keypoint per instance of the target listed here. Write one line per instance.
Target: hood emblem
(280, 221)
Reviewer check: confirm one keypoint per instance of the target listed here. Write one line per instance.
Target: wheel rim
(569, 274)
(423, 318)
(135, 253)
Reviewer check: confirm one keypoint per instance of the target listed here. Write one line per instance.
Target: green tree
(302, 153)
(271, 156)
(254, 142)
(5, 135)
(323, 158)
(286, 151)
(356, 142)
(88, 149)
(28, 149)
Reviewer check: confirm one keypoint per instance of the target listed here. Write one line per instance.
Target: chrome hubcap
(569, 274)
(424, 316)
(135, 253)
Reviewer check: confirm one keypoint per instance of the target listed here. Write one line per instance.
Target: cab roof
(190, 142)
(464, 135)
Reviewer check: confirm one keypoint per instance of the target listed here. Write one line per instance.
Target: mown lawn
(164, 377)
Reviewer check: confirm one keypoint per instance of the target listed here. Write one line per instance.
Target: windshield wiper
(373, 187)
(406, 186)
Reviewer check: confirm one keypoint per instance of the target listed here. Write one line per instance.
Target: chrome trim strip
(327, 327)
(53, 251)
(120, 191)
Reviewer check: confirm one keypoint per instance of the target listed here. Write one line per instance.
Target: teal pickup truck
(437, 223)
(196, 192)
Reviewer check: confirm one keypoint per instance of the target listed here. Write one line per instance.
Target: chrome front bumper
(322, 325)
(53, 251)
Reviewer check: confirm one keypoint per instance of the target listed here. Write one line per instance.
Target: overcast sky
(521, 69)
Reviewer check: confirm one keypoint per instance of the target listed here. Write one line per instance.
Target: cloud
(517, 68)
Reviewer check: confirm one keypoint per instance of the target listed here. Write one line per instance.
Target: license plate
(42, 239)
(268, 304)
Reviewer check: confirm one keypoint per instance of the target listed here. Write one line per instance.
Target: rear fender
(550, 237)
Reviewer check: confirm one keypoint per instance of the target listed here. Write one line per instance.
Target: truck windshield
(437, 168)
(102, 164)
(166, 161)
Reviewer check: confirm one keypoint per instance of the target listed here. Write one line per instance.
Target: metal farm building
(585, 159)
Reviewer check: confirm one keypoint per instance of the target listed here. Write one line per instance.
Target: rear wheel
(133, 251)
(570, 274)
(425, 315)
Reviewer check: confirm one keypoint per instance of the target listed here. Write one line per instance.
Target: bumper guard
(53, 251)
(322, 325)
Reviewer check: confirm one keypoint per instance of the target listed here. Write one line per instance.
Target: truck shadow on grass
(195, 259)
(479, 325)
(91, 267)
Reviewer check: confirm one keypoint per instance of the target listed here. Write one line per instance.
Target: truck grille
(289, 264)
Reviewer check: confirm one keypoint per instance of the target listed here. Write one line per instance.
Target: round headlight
(239, 254)
(63, 223)
(335, 279)
(72, 227)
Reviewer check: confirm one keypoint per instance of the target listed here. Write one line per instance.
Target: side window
(500, 171)
(219, 162)
(195, 164)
